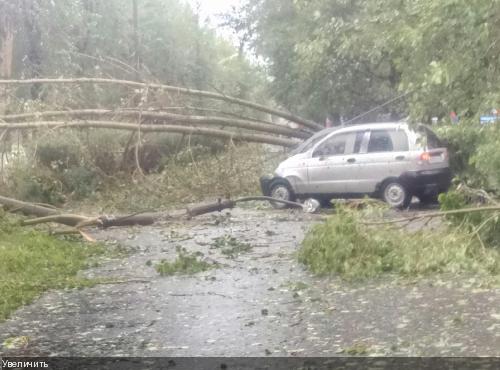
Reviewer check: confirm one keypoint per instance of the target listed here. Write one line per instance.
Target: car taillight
(425, 156)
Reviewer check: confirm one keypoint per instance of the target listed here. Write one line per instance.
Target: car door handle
(400, 157)
(351, 160)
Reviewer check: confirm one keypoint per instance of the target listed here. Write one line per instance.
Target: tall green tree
(315, 67)
(347, 57)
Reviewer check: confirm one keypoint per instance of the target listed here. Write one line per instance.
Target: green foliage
(487, 158)
(61, 171)
(186, 264)
(37, 185)
(319, 60)
(344, 246)
(345, 57)
(80, 182)
(474, 155)
(58, 155)
(483, 225)
(462, 141)
(33, 262)
(230, 246)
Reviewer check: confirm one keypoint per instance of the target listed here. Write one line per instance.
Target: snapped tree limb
(79, 222)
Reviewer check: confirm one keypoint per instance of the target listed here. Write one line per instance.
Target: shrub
(58, 155)
(35, 185)
(80, 181)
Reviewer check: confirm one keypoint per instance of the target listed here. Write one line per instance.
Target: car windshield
(309, 143)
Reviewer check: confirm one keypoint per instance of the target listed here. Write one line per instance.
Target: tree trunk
(34, 37)
(6, 45)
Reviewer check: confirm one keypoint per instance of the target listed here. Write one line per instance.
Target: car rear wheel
(281, 190)
(396, 195)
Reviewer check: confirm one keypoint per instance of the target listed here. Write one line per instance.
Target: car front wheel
(281, 190)
(396, 195)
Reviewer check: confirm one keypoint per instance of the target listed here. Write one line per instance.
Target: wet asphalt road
(259, 303)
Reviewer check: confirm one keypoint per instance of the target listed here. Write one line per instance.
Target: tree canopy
(341, 58)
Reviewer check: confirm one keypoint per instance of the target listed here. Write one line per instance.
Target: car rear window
(388, 141)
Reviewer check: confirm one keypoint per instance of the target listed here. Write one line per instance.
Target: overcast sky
(210, 8)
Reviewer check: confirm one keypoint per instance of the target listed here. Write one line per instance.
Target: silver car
(387, 160)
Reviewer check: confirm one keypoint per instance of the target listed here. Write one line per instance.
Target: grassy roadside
(32, 262)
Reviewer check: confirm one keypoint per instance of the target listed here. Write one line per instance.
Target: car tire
(280, 189)
(396, 195)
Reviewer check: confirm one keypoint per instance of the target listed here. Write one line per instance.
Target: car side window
(335, 145)
(388, 141)
(340, 144)
(380, 141)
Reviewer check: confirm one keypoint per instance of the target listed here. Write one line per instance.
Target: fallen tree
(146, 117)
(174, 89)
(127, 126)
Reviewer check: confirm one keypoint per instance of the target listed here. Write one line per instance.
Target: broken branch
(435, 214)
